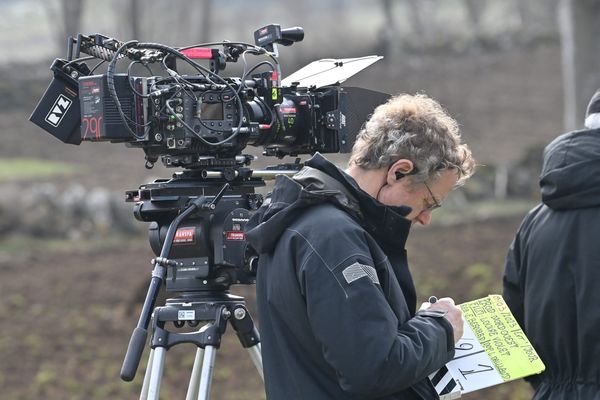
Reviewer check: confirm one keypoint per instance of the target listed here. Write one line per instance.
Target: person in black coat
(336, 301)
(552, 273)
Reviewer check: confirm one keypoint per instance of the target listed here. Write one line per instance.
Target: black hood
(318, 182)
(570, 176)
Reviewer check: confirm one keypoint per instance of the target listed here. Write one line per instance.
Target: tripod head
(197, 221)
(208, 250)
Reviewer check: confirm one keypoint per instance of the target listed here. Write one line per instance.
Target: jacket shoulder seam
(314, 251)
(329, 268)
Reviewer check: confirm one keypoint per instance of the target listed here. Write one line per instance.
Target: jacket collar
(387, 224)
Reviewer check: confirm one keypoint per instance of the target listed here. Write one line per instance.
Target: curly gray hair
(416, 128)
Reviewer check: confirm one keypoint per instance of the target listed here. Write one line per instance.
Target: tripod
(203, 284)
(216, 308)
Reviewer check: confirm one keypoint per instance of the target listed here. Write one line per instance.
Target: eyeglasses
(436, 203)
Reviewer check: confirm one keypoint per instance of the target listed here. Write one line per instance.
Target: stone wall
(46, 211)
(49, 211)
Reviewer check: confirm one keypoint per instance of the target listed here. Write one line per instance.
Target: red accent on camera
(198, 52)
(232, 235)
(185, 236)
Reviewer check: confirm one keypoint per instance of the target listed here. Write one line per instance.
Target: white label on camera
(186, 315)
(58, 110)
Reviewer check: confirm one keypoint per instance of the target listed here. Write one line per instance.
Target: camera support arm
(140, 333)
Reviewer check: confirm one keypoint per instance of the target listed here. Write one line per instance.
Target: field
(69, 310)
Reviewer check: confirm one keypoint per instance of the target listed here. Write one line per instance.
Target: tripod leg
(208, 365)
(144, 392)
(157, 370)
(256, 357)
(192, 392)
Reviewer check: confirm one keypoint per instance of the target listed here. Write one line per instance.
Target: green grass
(14, 169)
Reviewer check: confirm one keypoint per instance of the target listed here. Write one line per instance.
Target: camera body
(192, 120)
(184, 128)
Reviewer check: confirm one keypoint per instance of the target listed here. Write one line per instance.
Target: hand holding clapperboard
(493, 350)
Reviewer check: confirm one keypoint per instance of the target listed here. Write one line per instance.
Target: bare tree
(580, 31)
(134, 18)
(526, 19)
(388, 33)
(206, 24)
(68, 15)
(475, 9)
(536, 18)
(419, 29)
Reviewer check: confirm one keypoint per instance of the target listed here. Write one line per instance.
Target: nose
(424, 218)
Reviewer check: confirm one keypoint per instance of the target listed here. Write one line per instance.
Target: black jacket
(552, 276)
(336, 301)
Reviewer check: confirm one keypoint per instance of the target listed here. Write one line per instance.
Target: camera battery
(101, 119)
(58, 110)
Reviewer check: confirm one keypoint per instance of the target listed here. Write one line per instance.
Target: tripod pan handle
(134, 353)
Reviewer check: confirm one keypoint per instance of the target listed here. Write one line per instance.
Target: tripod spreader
(218, 310)
(209, 335)
(215, 308)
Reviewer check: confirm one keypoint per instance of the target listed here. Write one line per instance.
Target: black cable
(199, 67)
(110, 81)
(96, 66)
(185, 125)
(181, 85)
(79, 60)
(133, 89)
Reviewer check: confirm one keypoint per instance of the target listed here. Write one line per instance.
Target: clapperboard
(493, 350)
(444, 384)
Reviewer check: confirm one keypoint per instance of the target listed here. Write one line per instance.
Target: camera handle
(140, 333)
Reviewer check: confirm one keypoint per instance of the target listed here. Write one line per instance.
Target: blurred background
(74, 263)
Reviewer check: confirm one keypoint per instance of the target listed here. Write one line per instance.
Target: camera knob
(239, 313)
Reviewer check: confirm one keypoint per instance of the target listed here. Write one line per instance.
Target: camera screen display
(211, 111)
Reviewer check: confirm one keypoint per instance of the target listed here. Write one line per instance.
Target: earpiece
(399, 175)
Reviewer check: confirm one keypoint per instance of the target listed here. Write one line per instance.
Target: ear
(399, 170)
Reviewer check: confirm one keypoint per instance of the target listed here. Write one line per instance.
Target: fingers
(443, 299)
(453, 314)
(447, 300)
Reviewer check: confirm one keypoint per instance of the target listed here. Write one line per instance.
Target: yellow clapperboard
(493, 350)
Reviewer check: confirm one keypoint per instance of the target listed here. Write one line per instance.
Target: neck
(369, 180)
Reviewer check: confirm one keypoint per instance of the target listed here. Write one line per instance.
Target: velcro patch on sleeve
(357, 271)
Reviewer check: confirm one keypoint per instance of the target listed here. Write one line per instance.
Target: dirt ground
(68, 314)
(68, 309)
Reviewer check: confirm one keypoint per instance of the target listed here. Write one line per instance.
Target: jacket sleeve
(371, 351)
(511, 282)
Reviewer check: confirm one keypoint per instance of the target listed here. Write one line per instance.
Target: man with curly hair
(337, 304)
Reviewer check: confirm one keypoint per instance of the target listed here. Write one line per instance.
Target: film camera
(201, 121)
